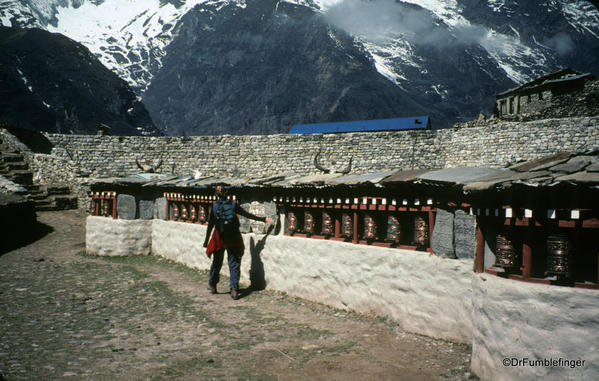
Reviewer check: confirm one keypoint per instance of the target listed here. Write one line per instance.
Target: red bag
(215, 244)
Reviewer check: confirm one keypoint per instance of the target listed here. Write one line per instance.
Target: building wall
(517, 320)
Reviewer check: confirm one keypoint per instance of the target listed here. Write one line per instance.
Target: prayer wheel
(184, 214)
(308, 223)
(201, 214)
(328, 227)
(347, 226)
(291, 223)
(193, 215)
(175, 211)
(420, 231)
(393, 230)
(106, 208)
(369, 228)
(558, 256)
(94, 207)
(505, 254)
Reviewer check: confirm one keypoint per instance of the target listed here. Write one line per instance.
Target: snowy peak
(129, 36)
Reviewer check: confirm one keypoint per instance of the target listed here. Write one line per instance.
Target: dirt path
(65, 315)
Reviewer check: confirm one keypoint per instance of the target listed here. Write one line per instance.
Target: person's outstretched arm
(246, 214)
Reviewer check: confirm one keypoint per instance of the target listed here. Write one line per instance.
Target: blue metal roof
(412, 123)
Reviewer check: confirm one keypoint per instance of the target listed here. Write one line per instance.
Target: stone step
(43, 203)
(45, 208)
(38, 196)
(20, 176)
(56, 189)
(62, 202)
(11, 157)
(14, 165)
(35, 188)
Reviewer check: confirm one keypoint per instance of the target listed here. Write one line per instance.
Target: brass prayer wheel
(175, 211)
(420, 231)
(106, 208)
(347, 225)
(308, 223)
(201, 213)
(328, 227)
(193, 213)
(184, 213)
(393, 230)
(291, 222)
(558, 255)
(369, 228)
(505, 254)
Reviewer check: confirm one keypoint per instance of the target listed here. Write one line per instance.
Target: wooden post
(337, 227)
(114, 207)
(526, 259)
(355, 236)
(431, 225)
(167, 213)
(527, 248)
(480, 250)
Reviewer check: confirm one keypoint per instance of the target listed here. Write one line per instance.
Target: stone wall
(488, 143)
(518, 320)
(75, 158)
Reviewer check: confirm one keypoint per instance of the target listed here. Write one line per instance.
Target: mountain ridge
(450, 57)
(49, 82)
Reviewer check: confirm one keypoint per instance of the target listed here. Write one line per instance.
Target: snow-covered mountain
(450, 56)
(49, 82)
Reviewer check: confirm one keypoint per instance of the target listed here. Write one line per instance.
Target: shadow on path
(20, 236)
(257, 277)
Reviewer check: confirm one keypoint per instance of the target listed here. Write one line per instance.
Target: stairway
(45, 197)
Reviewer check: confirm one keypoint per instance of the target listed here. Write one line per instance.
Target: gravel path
(66, 315)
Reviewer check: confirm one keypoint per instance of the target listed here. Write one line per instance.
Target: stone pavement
(66, 315)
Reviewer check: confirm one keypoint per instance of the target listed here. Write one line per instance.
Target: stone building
(552, 95)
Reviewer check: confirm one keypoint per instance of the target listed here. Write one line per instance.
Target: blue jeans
(234, 258)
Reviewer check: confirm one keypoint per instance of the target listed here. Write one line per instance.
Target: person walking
(227, 235)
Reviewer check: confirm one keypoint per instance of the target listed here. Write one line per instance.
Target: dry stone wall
(76, 158)
(487, 143)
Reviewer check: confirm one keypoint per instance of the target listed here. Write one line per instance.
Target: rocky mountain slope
(208, 66)
(49, 82)
(226, 72)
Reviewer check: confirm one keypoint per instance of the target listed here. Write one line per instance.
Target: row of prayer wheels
(558, 255)
(106, 206)
(369, 231)
(189, 212)
(102, 207)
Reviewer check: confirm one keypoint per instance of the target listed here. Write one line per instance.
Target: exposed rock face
(263, 68)
(51, 83)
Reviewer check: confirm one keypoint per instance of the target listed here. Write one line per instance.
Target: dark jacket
(233, 238)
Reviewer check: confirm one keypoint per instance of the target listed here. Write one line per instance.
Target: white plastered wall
(114, 237)
(424, 293)
(518, 320)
